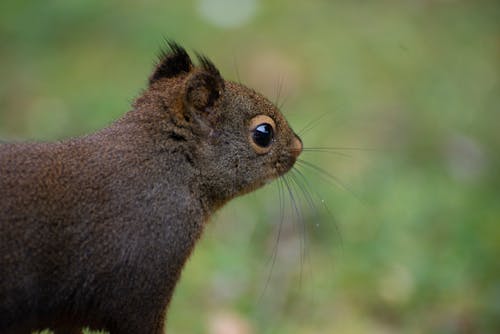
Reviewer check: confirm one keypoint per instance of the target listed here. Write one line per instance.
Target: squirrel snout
(296, 146)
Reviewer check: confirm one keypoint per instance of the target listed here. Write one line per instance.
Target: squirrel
(95, 230)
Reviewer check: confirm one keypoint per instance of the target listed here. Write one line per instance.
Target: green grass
(411, 247)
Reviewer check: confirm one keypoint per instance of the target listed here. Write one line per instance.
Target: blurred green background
(407, 240)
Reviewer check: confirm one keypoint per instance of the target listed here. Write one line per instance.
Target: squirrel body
(94, 231)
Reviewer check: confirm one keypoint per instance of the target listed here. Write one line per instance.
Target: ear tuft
(203, 90)
(171, 62)
(207, 65)
(204, 86)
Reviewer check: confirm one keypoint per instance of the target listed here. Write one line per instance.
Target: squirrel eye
(262, 131)
(263, 134)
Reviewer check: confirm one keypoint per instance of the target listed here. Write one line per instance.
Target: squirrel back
(95, 230)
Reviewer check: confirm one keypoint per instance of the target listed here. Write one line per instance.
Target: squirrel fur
(95, 230)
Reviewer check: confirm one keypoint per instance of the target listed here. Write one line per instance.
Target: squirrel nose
(296, 146)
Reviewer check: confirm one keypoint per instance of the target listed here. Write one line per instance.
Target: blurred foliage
(402, 237)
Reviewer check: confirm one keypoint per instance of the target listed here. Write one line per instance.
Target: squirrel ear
(171, 62)
(204, 87)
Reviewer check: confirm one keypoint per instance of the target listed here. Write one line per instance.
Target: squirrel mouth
(282, 166)
(286, 161)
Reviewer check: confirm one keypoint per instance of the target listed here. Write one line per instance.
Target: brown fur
(94, 231)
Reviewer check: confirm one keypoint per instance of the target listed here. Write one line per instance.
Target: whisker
(295, 207)
(331, 178)
(236, 69)
(300, 180)
(308, 198)
(283, 102)
(302, 222)
(300, 217)
(278, 235)
(312, 150)
(322, 201)
(282, 219)
(342, 148)
(278, 90)
(303, 185)
(311, 124)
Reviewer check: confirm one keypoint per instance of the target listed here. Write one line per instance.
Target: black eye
(263, 134)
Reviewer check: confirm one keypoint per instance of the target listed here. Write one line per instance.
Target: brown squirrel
(94, 231)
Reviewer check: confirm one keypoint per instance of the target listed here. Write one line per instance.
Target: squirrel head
(235, 139)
